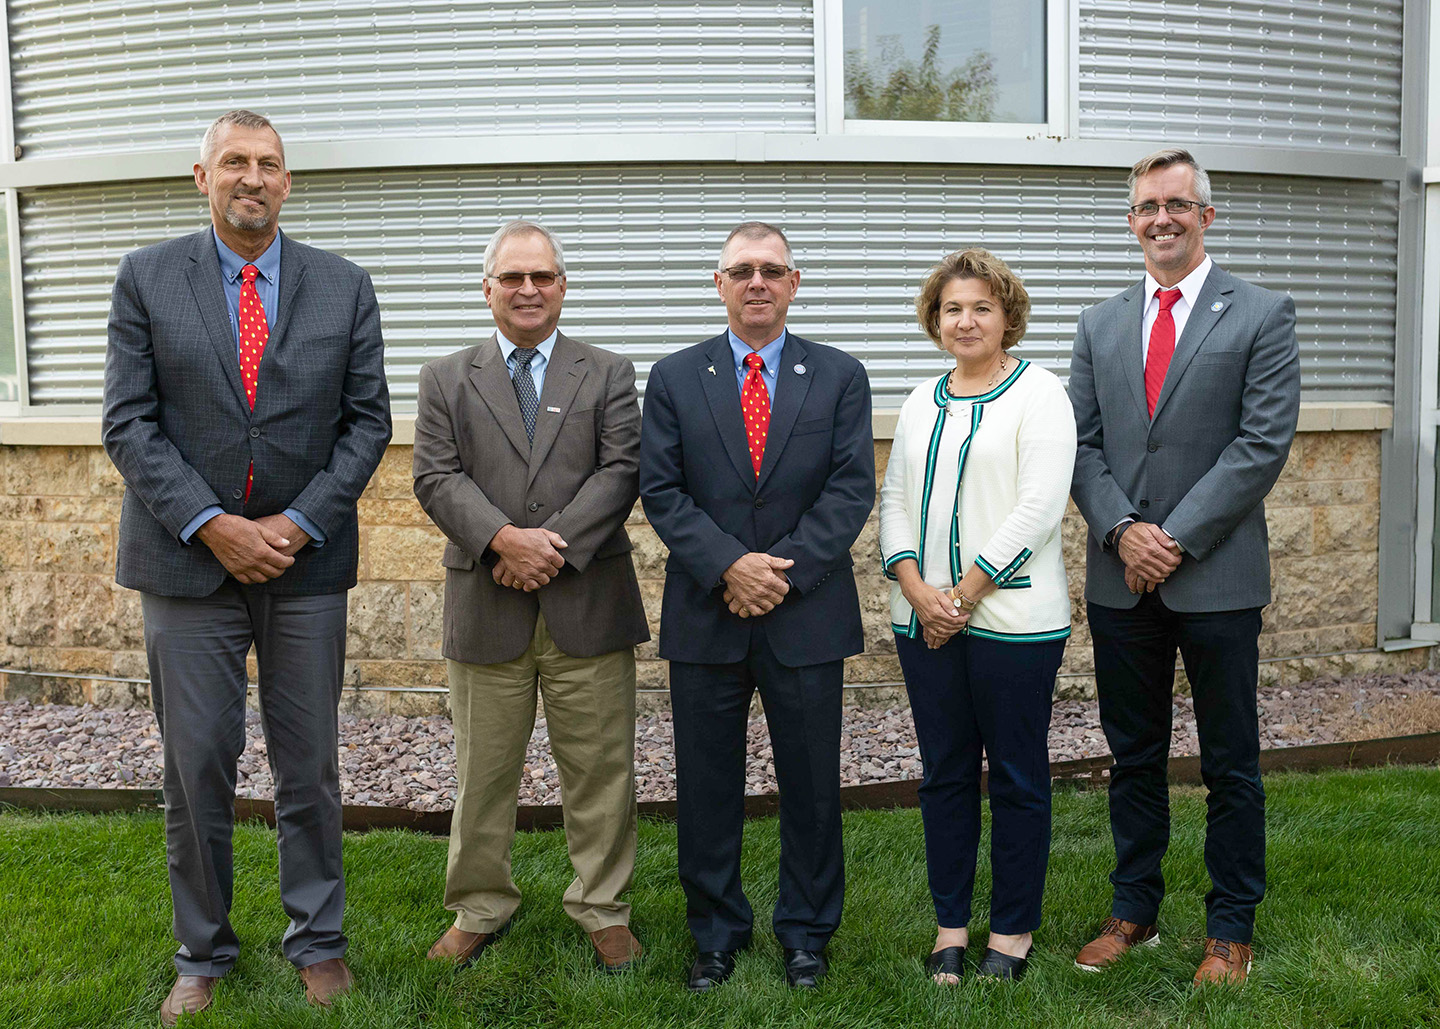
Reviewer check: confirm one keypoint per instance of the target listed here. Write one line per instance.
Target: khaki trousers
(590, 714)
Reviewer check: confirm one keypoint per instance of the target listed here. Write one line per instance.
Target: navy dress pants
(1135, 676)
(711, 705)
(968, 696)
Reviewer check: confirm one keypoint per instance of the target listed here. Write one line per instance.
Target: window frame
(1061, 87)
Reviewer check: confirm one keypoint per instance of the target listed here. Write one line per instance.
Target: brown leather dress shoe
(460, 947)
(326, 980)
(1116, 938)
(191, 993)
(1225, 962)
(616, 948)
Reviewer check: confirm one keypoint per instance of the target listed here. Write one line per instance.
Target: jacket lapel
(790, 389)
(293, 267)
(207, 285)
(1132, 344)
(491, 380)
(563, 375)
(717, 379)
(1203, 318)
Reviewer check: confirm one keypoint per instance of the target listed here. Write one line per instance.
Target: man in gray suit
(526, 450)
(246, 408)
(1186, 390)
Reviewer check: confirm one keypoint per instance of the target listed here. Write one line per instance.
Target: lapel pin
(711, 369)
(553, 410)
(1216, 306)
(799, 369)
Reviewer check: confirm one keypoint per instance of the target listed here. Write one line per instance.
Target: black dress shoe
(946, 961)
(711, 968)
(995, 965)
(804, 968)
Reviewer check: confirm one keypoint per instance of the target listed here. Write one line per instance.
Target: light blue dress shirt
(267, 287)
(538, 363)
(769, 353)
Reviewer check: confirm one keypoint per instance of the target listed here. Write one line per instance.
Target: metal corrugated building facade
(640, 273)
(95, 81)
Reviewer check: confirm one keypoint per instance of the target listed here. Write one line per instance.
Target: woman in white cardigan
(970, 533)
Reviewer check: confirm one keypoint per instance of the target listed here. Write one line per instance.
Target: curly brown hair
(975, 263)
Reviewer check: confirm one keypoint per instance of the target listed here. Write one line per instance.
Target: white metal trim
(697, 147)
(1072, 70)
(829, 74)
(1429, 408)
(17, 294)
(7, 102)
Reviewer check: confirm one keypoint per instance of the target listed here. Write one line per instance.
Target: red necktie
(254, 333)
(755, 404)
(1162, 347)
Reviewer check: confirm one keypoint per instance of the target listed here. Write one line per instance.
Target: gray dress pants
(197, 649)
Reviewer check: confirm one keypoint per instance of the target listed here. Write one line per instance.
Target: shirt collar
(769, 353)
(507, 348)
(231, 263)
(1189, 286)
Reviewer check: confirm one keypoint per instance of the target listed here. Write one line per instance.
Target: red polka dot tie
(755, 405)
(254, 333)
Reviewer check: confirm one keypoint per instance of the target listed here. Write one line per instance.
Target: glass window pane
(945, 60)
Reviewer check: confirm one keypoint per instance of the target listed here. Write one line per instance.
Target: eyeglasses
(514, 280)
(1150, 209)
(746, 272)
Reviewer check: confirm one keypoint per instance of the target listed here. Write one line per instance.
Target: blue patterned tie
(525, 389)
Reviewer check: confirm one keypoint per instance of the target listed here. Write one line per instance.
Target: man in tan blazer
(526, 450)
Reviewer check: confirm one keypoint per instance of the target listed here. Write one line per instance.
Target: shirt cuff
(1179, 546)
(193, 526)
(317, 538)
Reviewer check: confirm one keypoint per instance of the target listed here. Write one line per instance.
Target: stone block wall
(69, 634)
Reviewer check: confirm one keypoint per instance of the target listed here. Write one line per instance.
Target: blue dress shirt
(267, 286)
(538, 363)
(769, 353)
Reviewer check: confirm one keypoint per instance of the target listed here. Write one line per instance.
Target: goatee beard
(239, 221)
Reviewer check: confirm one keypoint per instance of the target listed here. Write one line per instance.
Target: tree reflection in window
(896, 88)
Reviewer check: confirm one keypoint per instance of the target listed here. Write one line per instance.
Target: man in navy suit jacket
(758, 475)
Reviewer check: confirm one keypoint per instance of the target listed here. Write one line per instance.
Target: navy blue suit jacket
(815, 490)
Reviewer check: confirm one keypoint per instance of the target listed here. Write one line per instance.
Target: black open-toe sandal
(946, 961)
(995, 965)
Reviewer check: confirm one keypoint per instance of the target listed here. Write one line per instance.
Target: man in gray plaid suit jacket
(246, 407)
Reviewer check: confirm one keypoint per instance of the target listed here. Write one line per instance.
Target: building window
(941, 61)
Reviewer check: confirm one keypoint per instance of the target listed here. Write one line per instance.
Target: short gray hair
(521, 227)
(1164, 159)
(243, 119)
(755, 230)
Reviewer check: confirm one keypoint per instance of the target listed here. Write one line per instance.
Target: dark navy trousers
(711, 705)
(968, 696)
(1135, 676)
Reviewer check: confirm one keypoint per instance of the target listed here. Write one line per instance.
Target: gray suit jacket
(1201, 469)
(475, 472)
(178, 427)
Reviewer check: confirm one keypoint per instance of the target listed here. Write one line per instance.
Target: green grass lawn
(1349, 933)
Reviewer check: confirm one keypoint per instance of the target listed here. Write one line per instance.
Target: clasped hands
(528, 558)
(1150, 556)
(940, 615)
(755, 584)
(253, 550)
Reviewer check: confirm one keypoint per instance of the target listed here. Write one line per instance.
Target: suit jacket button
(237, 494)
(1153, 447)
(759, 502)
(1144, 503)
(254, 433)
(534, 506)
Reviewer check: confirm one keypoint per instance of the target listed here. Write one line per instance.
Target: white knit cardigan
(1016, 462)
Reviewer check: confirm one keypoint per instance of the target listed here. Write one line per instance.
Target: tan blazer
(475, 472)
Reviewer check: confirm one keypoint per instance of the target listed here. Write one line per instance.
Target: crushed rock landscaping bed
(394, 761)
